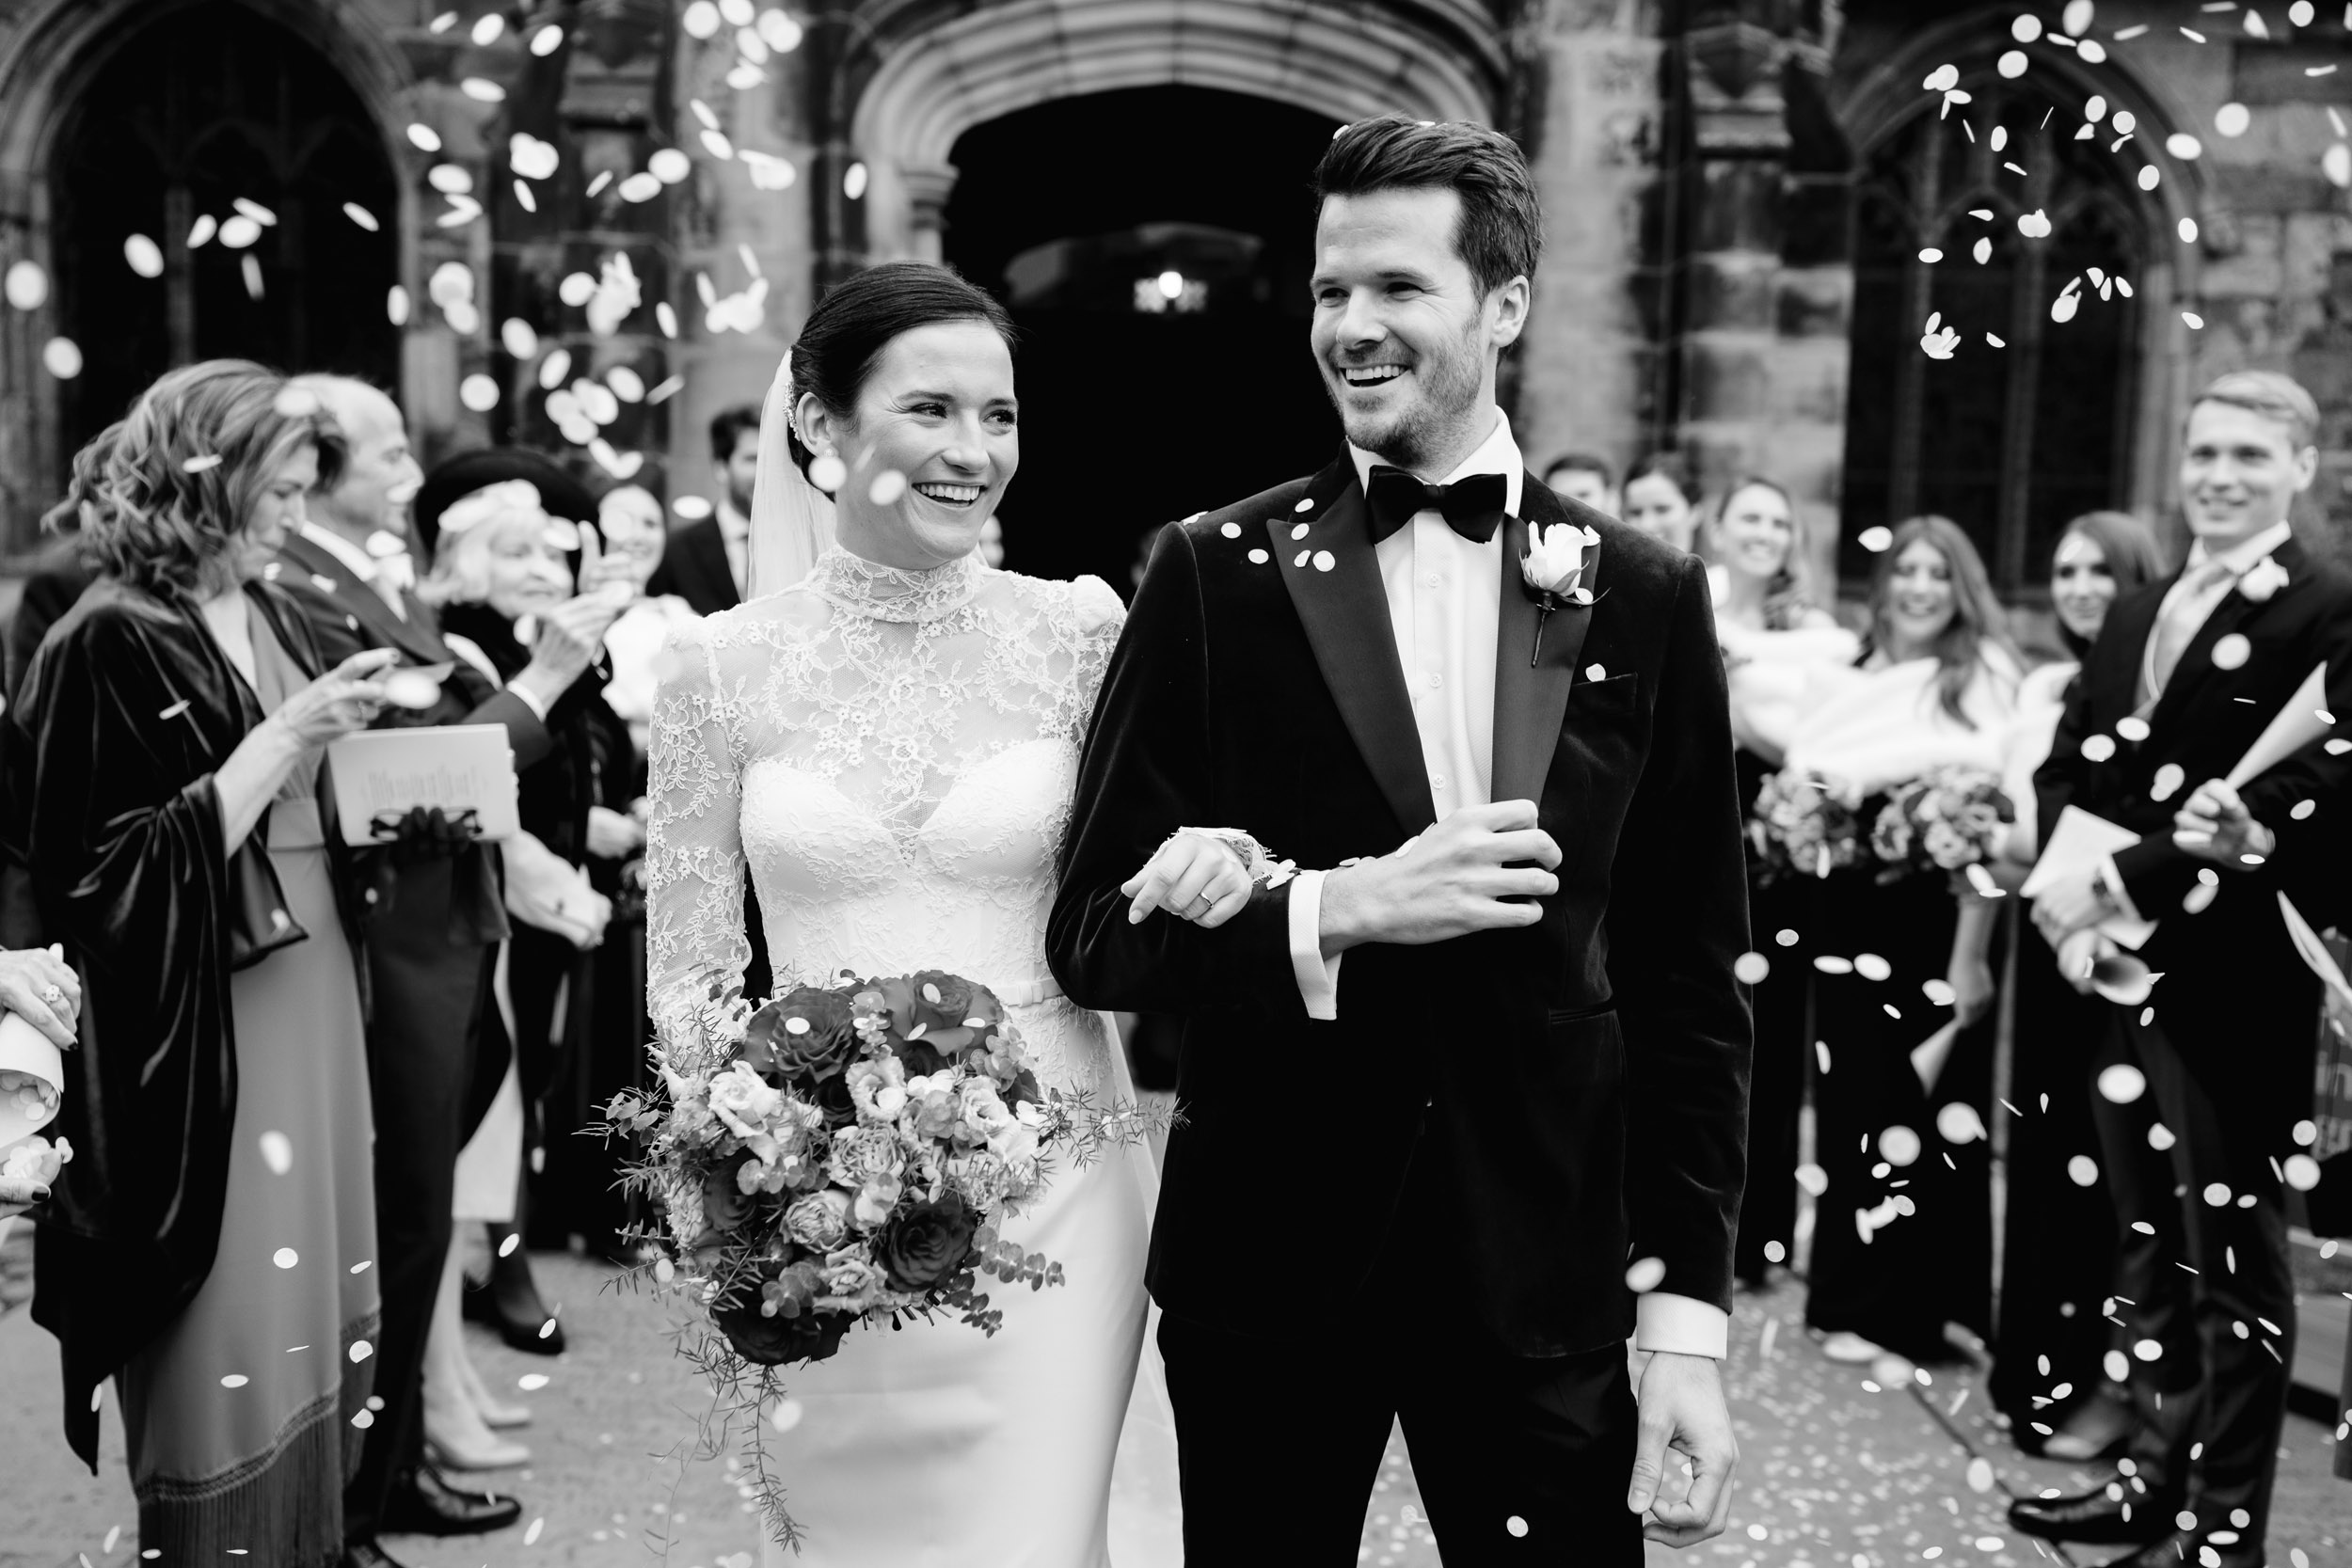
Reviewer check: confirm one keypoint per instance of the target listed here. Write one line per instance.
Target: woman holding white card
(208, 1246)
(2058, 1234)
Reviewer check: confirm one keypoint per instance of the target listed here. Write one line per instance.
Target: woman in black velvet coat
(162, 773)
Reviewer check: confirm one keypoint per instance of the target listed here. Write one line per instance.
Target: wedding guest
(1772, 636)
(431, 924)
(2185, 676)
(60, 577)
(504, 523)
(634, 544)
(1903, 990)
(709, 563)
(208, 1246)
(2058, 1233)
(1663, 499)
(1580, 476)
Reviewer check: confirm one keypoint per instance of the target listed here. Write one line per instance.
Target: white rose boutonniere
(1553, 569)
(2262, 580)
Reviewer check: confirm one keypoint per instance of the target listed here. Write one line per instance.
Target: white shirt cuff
(1683, 1325)
(2122, 896)
(1318, 977)
(530, 700)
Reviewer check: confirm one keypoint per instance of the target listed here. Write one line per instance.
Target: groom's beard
(1410, 437)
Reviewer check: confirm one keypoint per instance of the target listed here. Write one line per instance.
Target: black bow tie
(1473, 505)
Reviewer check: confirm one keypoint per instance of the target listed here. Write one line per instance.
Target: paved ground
(1842, 1468)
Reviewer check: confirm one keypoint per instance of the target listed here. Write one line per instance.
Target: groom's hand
(1458, 878)
(1682, 1402)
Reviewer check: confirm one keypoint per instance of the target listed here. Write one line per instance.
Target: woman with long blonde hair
(1903, 989)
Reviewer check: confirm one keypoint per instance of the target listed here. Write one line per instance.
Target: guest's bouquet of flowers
(1948, 820)
(1805, 825)
(844, 1154)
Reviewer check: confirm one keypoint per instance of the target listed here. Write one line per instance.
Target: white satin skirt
(1039, 1447)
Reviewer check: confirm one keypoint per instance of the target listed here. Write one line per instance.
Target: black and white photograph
(1113, 783)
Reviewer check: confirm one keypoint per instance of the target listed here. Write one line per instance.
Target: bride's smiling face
(930, 446)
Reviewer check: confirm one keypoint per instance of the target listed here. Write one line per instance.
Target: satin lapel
(1345, 608)
(1531, 695)
(2228, 616)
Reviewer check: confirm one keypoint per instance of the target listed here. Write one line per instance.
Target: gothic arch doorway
(1154, 245)
(207, 105)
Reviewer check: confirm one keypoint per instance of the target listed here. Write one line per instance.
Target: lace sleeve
(695, 941)
(1100, 616)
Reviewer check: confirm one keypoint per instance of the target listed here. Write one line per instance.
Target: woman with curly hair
(207, 1247)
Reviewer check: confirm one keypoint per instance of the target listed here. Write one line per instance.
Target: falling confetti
(2194, 321)
(1938, 344)
(888, 487)
(669, 165)
(479, 392)
(26, 286)
(2232, 652)
(2232, 119)
(397, 306)
(1749, 969)
(61, 358)
(482, 91)
(145, 256)
(547, 41)
(424, 138)
(700, 19)
(1645, 1275)
(1875, 538)
(235, 1379)
(854, 182)
(285, 1257)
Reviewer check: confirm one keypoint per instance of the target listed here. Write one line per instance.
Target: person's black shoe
(426, 1504)
(2110, 1516)
(368, 1554)
(2188, 1548)
(509, 1302)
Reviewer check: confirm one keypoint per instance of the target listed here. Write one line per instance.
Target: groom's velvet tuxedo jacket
(1565, 1099)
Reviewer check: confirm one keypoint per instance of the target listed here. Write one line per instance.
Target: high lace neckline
(882, 593)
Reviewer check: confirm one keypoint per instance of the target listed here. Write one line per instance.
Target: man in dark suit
(707, 563)
(1490, 1051)
(2201, 1089)
(429, 954)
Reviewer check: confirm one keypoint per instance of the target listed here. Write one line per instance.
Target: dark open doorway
(1154, 245)
(209, 104)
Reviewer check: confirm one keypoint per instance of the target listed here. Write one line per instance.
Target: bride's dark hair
(845, 335)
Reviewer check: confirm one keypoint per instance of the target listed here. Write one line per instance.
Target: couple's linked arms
(1677, 918)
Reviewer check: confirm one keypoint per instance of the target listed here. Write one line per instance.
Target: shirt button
(1435, 679)
(1434, 580)
(1437, 780)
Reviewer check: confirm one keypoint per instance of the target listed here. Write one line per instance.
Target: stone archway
(52, 62)
(909, 92)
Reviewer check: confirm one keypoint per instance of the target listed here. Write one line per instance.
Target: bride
(888, 745)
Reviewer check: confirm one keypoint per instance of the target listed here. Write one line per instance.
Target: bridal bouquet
(1949, 820)
(844, 1154)
(1805, 825)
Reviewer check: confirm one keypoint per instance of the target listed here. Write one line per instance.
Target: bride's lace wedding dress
(892, 754)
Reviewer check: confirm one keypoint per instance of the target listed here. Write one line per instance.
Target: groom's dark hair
(843, 338)
(1500, 233)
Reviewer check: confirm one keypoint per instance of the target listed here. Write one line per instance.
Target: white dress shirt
(361, 565)
(735, 532)
(1445, 599)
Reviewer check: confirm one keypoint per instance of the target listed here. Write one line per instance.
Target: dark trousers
(2059, 1249)
(1767, 1205)
(428, 998)
(1280, 1442)
(2228, 1328)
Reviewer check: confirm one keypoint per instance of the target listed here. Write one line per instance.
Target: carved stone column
(1759, 290)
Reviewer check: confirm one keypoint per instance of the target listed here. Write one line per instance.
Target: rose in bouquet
(845, 1154)
(1805, 825)
(1948, 820)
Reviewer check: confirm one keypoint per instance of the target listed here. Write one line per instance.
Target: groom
(1466, 1099)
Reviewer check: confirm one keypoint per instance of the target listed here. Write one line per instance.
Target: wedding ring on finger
(54, 996)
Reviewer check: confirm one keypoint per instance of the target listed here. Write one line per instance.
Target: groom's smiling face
(1404, 340)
